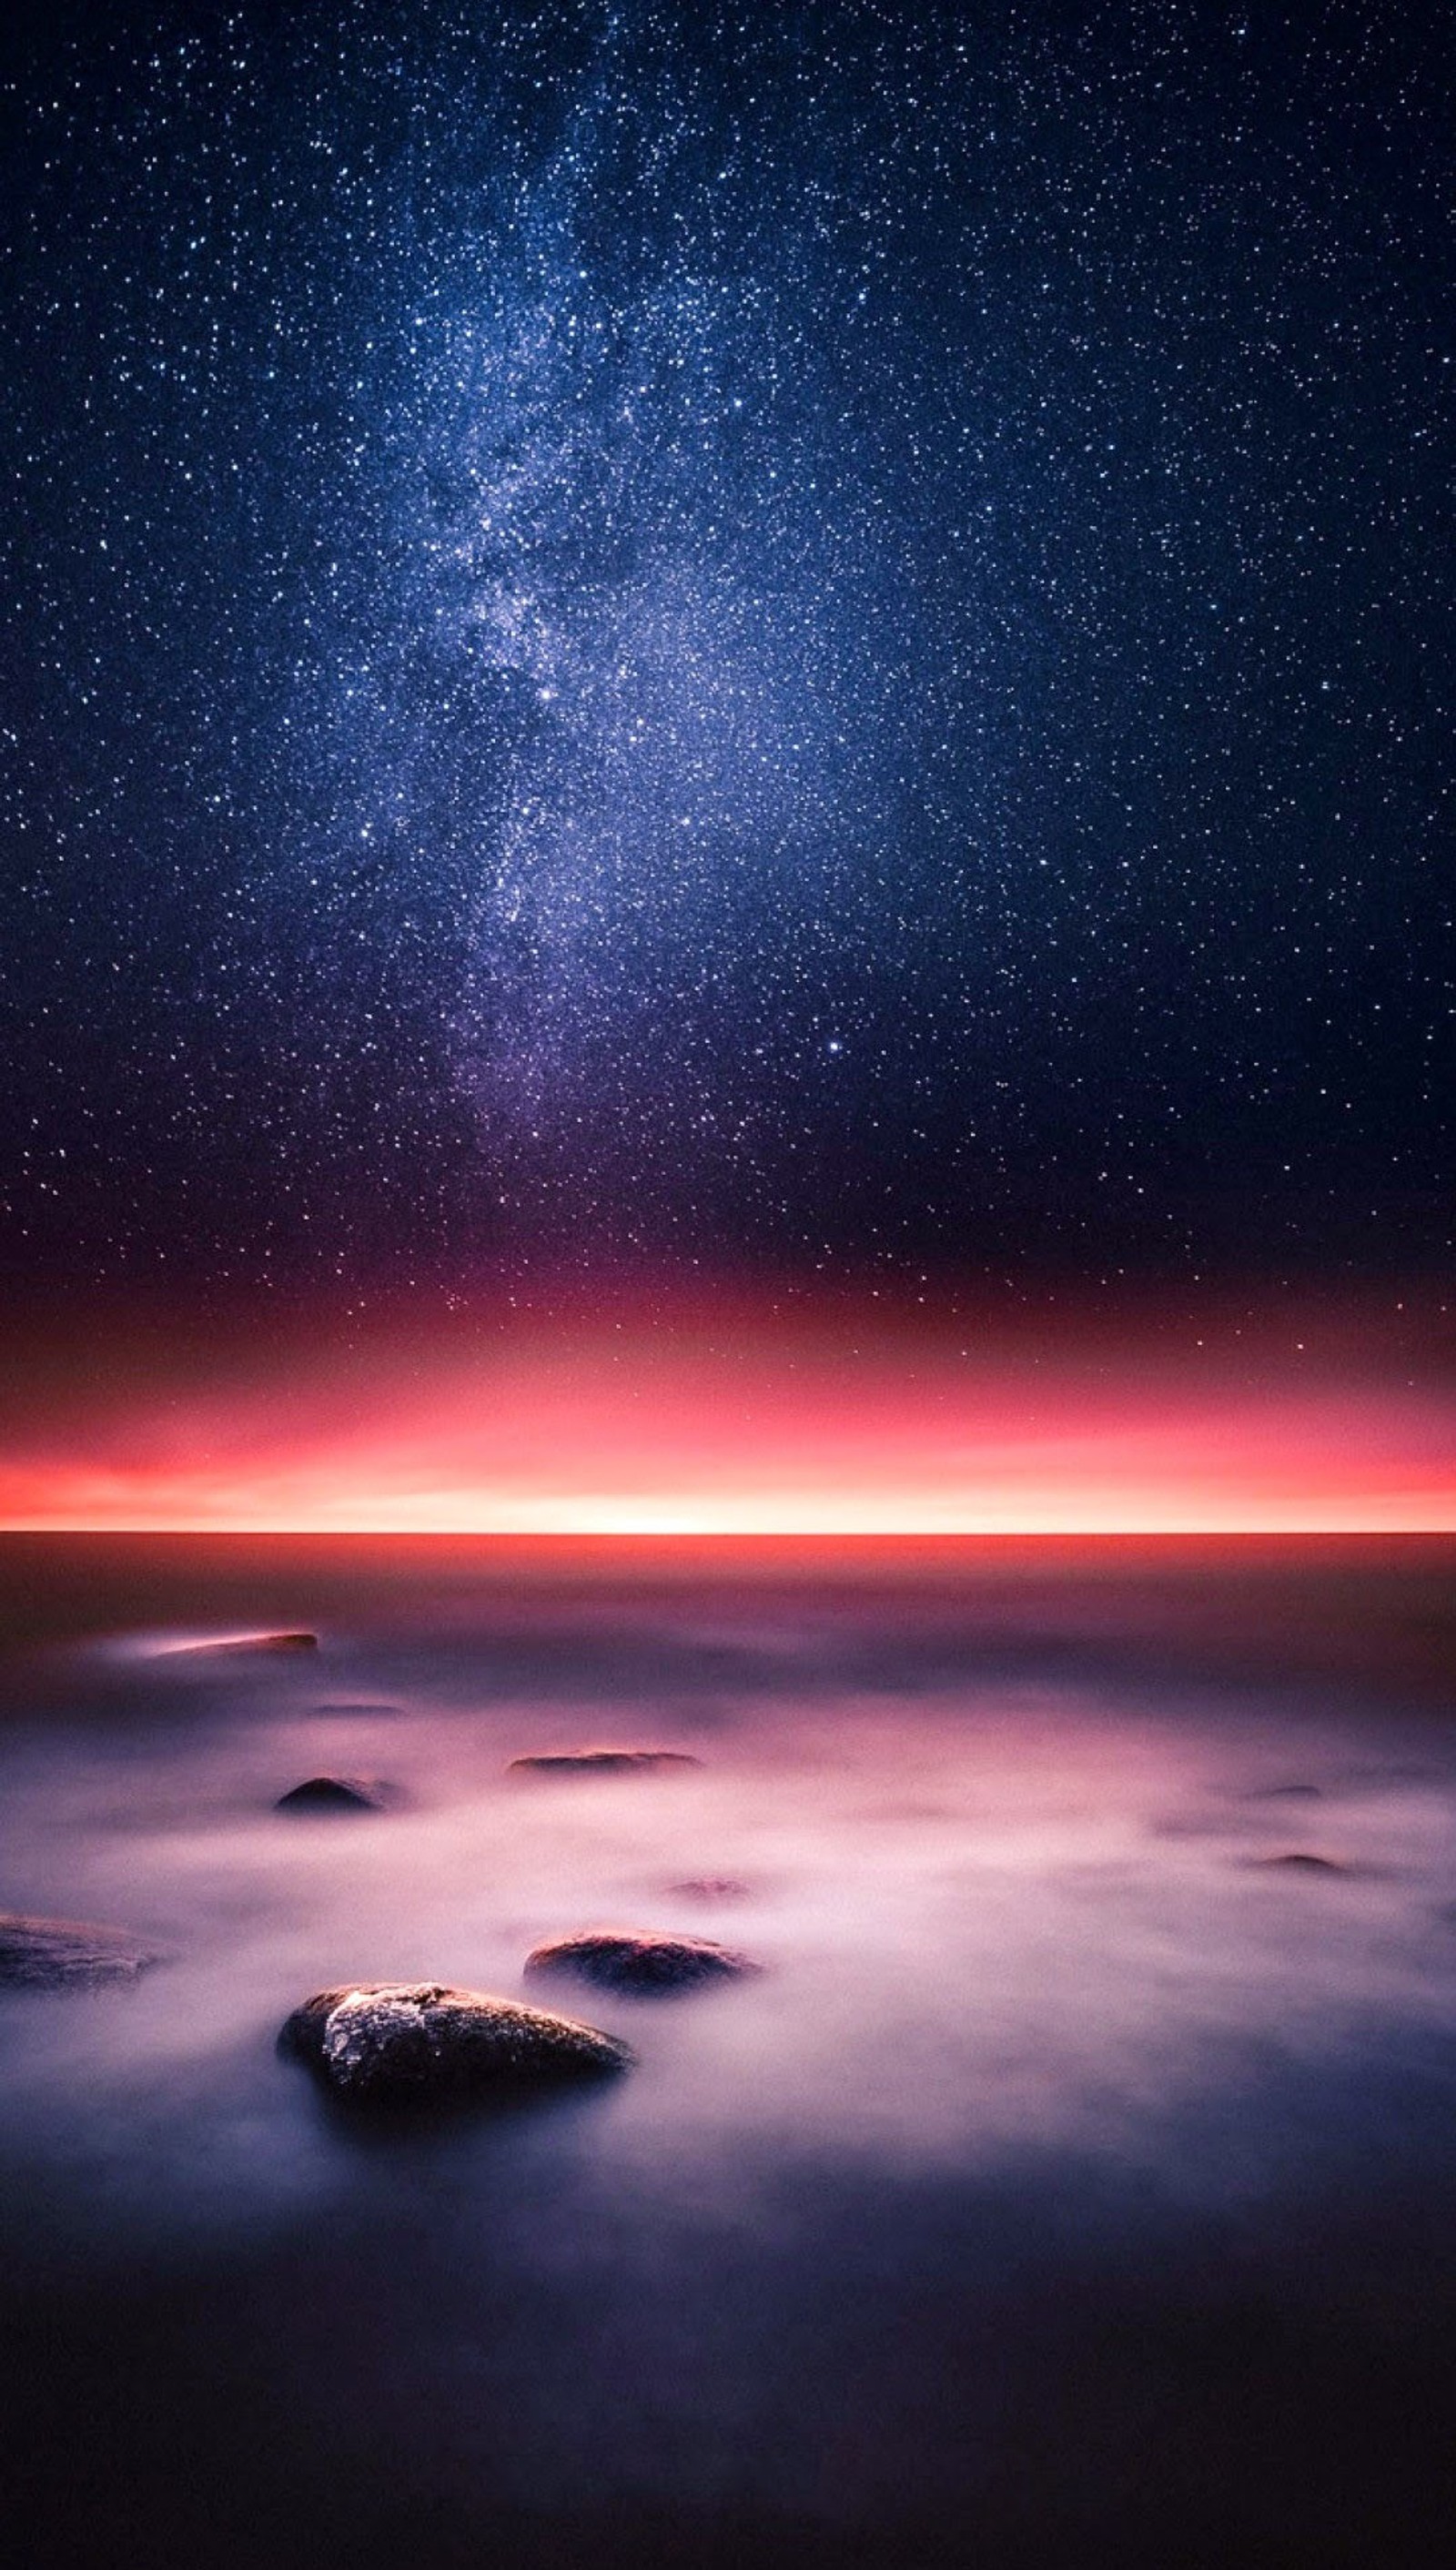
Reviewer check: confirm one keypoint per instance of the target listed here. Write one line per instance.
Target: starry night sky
(805, 640)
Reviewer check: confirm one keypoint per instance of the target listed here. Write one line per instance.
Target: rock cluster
(411, 2042)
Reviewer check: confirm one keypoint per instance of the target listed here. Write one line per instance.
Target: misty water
(1076, 2180)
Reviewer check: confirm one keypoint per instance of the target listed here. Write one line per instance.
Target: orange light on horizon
(586, 1437)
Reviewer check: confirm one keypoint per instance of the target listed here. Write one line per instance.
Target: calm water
(1075, 2183)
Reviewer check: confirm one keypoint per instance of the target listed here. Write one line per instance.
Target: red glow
(749, 1429)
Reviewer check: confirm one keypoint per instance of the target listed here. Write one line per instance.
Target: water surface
(1078, 2179)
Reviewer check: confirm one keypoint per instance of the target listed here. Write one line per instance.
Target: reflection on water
(1065, 2133)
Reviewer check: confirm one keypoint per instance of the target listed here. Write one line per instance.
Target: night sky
(795, 641)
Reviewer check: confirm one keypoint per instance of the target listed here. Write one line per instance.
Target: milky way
(804, 636)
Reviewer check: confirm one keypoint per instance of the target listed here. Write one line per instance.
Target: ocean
(1074, 2182)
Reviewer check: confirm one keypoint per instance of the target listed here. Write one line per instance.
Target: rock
(1297, 1862)
(251, 1642)
(332, 1794)
(45, 1954)
(640, 1960)
(601, 1762)
(710, 1887)
(384, 2043)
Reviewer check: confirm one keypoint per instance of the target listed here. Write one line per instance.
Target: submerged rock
(601, 1762)
(640, 1959)
(251, 1642)
(332, 1794)
(1297, 1862)
(45, 1954)
(388, 2042)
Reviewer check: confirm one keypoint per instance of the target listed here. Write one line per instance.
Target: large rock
(332, 1794)
(46, 1954)
(601, 1762)
(640, 1960)
(399, 2043)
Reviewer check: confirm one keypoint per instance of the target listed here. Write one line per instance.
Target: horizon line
(659, 1533)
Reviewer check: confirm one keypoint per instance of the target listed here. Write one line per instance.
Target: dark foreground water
(1075, 2185)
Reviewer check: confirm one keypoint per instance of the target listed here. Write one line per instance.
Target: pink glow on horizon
(617, 1436)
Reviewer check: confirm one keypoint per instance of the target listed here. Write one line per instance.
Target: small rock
(388, 2042)
(601, 1762)
(332, 1794)
(44, 1954)
(710, 1887)
(251, 1642)
(1297, 1862)
(640, 1959)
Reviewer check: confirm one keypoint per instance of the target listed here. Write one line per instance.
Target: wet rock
(639, 1961)
(601, 1762)
(246, 1644)
(710, 1887)
(332, 1794)
(1298, 1861)
(400, 2042)
(46, 1954)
